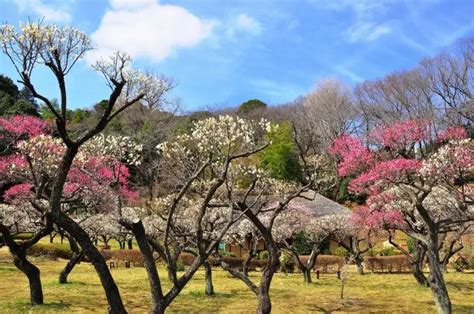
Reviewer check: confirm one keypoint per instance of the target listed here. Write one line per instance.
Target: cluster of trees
(131, 167)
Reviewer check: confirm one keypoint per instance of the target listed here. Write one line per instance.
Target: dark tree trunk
(417, 265)
(307, 267)
(130, 244)
(246, 264)
(111, 290)
(209, 285)
(436, 278)
(18, 251)
(307, 275)
(33, 274)
(76, 257)
(263, 295)
(360, 267)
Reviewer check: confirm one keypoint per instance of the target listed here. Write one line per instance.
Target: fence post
(317, 274)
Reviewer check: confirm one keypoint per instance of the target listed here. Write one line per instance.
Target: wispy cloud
(145, 28)
(244, 23)
(276, 89)
(366, 31)
(348, 73)
(54, 12)
(366, 26)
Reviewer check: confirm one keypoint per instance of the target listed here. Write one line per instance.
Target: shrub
(24, 236)
(389, 251)
(392, 263)
(372, 252)
(471, 263)
(287, 265)
(228, 254)
(341, 252)
(460, 263)
(186, 258)
(263, 255)
(50, 251)
(179, 265)
(411, 244)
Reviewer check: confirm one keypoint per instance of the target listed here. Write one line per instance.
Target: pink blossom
(11, 163)
(400, 134)
(453, 133)
(21, 125)
(390, 171)
(354, 156)
(18, 193)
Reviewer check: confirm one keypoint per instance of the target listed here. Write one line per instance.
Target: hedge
(50, 251)
(395, 263)
(135, 257)
(325, 262)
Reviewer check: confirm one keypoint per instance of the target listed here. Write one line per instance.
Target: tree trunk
(417, 265)
(33, 274)
(360, 266)
(18, 252)
(76, 257)
(208, 272)
(436, 279)
(130, 244)
(263, 295)
(307, 274)
(110, 288)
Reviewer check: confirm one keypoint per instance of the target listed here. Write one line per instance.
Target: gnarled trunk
(33, 274)
(417, 265)
(110, 288)
(18, 251)
(436, 278)
(263, 295)
(76, 257)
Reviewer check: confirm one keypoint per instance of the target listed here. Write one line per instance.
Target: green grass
(375, 293)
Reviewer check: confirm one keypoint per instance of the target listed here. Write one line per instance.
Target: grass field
(390, 293)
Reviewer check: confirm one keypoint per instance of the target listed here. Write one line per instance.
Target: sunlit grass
(370, 293)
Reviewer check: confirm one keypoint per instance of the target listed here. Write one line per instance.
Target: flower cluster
(354, 156)
(401, 134)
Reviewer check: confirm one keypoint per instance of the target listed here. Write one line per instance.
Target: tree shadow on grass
(461, 286)
(26, 307)
(347, 304)
(202, 294)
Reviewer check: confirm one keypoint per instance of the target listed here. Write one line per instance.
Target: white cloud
(248, 24)
(366, 31)
(145, 28)
(244, 23)
(57, 12)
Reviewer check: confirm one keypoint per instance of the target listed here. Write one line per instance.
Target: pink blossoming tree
(416, 183)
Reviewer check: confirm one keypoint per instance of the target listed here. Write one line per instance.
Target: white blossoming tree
(262, 203)
(203, 164)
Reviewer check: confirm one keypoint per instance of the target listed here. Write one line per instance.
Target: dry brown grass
(376, 293)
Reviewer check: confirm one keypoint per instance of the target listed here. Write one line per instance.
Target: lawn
(369, 293)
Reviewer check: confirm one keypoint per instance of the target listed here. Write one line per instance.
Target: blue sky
(224, 52)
